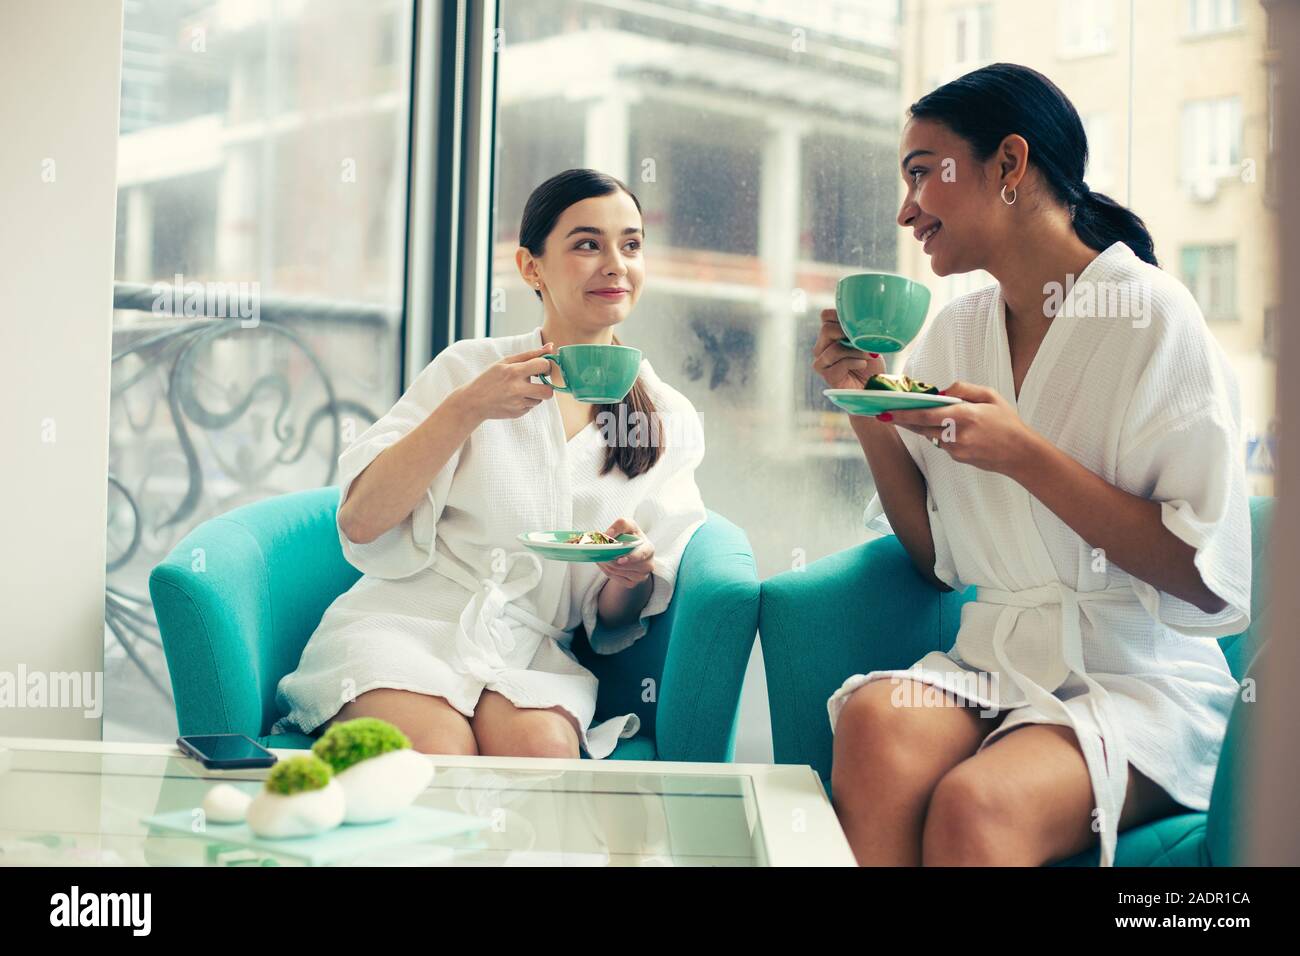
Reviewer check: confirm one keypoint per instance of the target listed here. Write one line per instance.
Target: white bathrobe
(1129, 382)
(451, 603)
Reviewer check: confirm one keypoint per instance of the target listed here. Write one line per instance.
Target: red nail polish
(885, 417)
(943, 391)
(874, 354)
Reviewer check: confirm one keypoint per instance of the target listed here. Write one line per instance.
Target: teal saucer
(550, 545)
(872, 401)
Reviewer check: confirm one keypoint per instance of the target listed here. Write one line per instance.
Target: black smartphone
(226, 751)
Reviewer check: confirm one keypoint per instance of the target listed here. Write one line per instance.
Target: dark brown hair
(544, 207)
(987, 105)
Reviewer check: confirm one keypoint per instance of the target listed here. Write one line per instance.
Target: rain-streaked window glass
(713, 111)
(761, 140)
(262, 171)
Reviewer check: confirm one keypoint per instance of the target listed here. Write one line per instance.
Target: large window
(260, 257)
(770, 142)
(262, 221)
(761, 141)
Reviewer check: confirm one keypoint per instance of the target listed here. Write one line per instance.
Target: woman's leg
(1025, 800)
(887, 760)
(434, 726)
(504, 730)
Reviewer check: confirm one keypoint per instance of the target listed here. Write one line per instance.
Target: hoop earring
(1012, 201)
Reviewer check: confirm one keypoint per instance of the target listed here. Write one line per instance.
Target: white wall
(60, 66)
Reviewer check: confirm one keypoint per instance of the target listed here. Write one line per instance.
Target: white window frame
(450, 191)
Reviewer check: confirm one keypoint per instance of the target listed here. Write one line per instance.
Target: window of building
(970, 32)
(1210, 273)
(1211, 143)
(1085, 27)
(1212, 16)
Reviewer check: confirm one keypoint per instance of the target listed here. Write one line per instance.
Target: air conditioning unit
(1204, 187)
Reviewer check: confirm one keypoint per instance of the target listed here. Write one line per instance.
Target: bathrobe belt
(490, 626)
(1109, 777)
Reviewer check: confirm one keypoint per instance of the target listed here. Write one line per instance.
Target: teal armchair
(816, 630)
(270, 569)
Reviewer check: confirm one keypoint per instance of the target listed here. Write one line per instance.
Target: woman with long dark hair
(1090, 485)
(455, 632)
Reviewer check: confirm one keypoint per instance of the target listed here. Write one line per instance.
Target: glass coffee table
(69, 803)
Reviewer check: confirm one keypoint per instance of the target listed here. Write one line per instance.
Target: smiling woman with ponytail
(1088, 483)
(988, 105)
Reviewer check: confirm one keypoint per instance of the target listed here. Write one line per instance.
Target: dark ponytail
(1100, 220)
(543, 208)
(989, 104)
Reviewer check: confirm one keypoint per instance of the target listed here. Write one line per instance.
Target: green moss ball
(353, 741)
(298, 775)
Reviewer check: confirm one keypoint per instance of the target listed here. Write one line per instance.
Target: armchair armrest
(684, 676)
(865, 608)
(236, 600)
(713, 627)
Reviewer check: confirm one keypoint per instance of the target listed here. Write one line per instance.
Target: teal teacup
(596, 374)
(880, 311)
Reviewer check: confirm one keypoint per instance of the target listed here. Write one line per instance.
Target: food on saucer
(883, 381)
(591, 537)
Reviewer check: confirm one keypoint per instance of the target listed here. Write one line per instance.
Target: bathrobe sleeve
(873, 516)
(669, 514)
(406, 548)
(1180, 445)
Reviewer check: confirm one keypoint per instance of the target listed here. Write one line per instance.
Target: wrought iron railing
(168, 350)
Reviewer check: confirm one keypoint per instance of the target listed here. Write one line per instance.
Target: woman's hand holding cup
(506, 388)
(840, 365)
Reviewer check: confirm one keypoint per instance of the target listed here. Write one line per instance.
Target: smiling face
(952, 202)
(591, 270)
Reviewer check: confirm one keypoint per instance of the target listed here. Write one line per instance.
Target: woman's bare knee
(504, 730)
(546, 742)
(431, 723)
(887, 728)
(970, 821)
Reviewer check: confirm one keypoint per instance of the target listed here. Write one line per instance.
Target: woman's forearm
(390, 487)
(901, 488)
(617, 606)
(1127, 528)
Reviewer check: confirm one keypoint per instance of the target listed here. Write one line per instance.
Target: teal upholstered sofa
(270, 569)
(816, 629)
